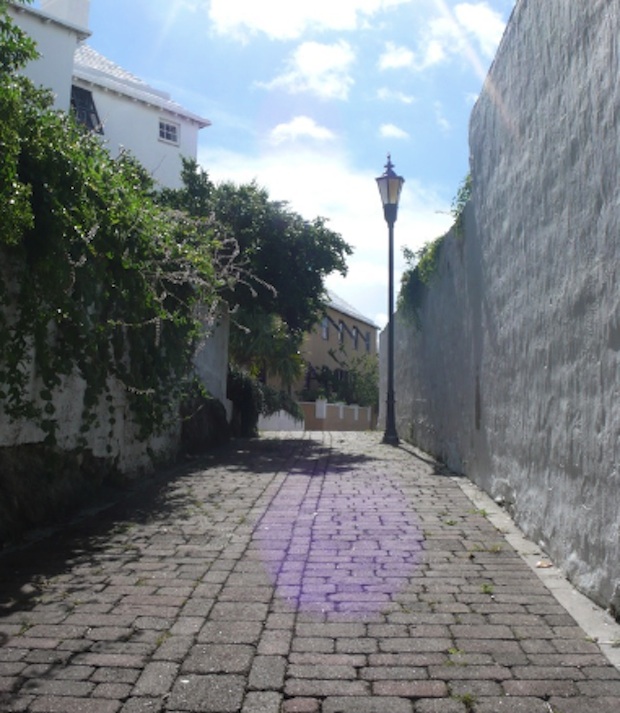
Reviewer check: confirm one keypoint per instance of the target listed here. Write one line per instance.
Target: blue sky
(307, 98)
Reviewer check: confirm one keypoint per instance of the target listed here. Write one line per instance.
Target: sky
(308, 98)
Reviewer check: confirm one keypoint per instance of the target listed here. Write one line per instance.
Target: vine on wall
(97, 279)
(423, 263)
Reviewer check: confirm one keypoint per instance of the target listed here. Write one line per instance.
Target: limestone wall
(514, 374)
(115, 437)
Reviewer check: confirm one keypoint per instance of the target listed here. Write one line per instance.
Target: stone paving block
(113, 691)
(231, 632)
(262, 702)
(443, 705)
(301, 705)
(64, 704)
(518, 705)
(384, 704)
(540, 689)
(393, 673)
(411, 689)
(142, 705)
(312, 573)
(218, 658)
(268, 673)
(49, 687)
(156, 679)
(581, 705)
(208, 694)
(479, 689)
(320, 688)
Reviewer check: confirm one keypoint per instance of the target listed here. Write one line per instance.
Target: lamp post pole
(390, 186)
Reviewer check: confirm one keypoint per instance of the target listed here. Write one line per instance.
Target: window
(355, 337)
(367, 340)
(169, 132)
(325, 328)
(341, 332)
(84, 109)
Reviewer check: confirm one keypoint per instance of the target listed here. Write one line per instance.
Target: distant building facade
(128, 113)
(342, 335)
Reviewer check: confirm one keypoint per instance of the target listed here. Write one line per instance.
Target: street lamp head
(390, 186)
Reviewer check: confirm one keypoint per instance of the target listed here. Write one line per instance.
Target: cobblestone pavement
(315, 573)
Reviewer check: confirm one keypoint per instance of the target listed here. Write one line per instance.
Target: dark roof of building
(338, 304)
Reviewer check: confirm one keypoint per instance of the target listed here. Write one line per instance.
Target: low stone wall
(280, 421)
(323, 416)
(513, 375)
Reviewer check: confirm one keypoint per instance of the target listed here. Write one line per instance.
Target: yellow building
(343, 335)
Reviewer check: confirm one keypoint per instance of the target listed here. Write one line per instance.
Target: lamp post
(390, 186)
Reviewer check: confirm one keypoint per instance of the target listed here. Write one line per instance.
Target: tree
(16, 49)
(286, 259)
(289, 255)
(354, 381)
(265, 347)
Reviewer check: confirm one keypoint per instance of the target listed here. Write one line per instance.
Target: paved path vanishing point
(300, 573)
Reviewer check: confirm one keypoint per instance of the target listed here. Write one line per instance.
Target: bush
(251, 399)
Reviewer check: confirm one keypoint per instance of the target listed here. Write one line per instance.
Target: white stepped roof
(92, 67)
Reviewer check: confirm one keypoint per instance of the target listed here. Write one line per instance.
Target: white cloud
(395, 57)
(471, 98)
(321, 182)
(390, 131)
(434, 53)
(318, 69)
(289, 19)
(483, 24)
(386, 94)
(301, 127)
(469, 30)
(442, 122)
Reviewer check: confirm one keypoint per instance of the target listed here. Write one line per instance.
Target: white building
(128, 113)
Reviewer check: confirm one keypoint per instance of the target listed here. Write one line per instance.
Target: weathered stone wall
(39, 482)
(514, 374)
(115, 436)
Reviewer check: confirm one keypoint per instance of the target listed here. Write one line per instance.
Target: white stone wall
(211, 357)
(280, 421)
(514, 375)
(115, 436)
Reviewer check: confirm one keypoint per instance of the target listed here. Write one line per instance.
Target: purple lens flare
(341, 544)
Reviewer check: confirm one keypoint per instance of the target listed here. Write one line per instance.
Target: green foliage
(16, 48)
(203, 420)
(285, 256)
(96, 278)
(363, 377)
(459, 202)
(288, 256)
(250, 399)
(354, 381)
(246, 395)
(274, 401)
(264, 346)
(285, 259)
(422, 264)
(417, 278)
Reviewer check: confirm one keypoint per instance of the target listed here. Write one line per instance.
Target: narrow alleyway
(315, 573)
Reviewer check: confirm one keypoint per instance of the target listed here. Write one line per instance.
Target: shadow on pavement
(27, 568)
(439, 468)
